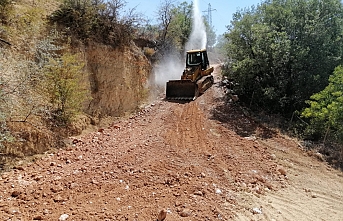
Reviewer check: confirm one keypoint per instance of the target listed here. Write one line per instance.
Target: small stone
(218, 191)
(56, 189)
(18, 168)
(73, 185)
(13, 211)
(273, 156)
(178, 203)
(314, 195)
(269, 186)
(94, 182)
(198, 193)
(320, 156)
(162, 215)
(39, 217)
(257, 211)
(58, 199)
(63, 217)
(185, 213)
(75, 141)
(4, 176)
(281, 170)
(15, 193)
(57, 178)
(37, 178)
(258, 190)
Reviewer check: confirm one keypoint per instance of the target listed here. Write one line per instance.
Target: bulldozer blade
(181, 90)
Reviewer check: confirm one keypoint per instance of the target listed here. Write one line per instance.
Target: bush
(283, 51)
(96, 21)
(64, 86)
(149, 52)
(325, 109)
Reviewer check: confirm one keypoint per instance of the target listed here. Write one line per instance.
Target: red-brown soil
(201, 160)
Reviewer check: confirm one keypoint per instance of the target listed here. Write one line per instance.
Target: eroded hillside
(113, 78)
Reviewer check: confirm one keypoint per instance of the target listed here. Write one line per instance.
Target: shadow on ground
(234, 117)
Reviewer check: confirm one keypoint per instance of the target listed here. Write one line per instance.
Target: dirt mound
(177, 157)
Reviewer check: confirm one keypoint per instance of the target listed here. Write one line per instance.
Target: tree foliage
(64, 86)
(326, 108)
(283, 51)
(181, 25)
(97, 20)
(175, 26)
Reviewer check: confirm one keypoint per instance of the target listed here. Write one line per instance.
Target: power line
(209, 14)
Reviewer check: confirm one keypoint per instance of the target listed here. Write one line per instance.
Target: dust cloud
(171, 67)
(198, 37)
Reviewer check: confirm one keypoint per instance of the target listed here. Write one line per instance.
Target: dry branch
(4, 41)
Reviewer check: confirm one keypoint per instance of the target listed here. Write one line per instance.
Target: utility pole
(209, 14)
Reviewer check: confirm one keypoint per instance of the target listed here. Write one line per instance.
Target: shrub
(64, 86)
(325, 109)
(96, 21)
(149, 52)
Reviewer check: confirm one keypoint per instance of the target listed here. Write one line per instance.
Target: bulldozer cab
(196, 58)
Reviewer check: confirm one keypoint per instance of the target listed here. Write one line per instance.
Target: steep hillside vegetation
(54, 84)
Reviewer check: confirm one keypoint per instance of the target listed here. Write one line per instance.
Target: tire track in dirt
(176, 157)
(186, 129)
(315, 191)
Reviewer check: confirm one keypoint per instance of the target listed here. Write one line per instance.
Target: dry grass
(149, 52)
(26, 108)
(22, 104)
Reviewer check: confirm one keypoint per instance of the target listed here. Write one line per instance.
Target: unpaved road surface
(202, 160)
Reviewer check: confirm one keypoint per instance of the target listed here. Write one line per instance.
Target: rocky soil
(200, 160)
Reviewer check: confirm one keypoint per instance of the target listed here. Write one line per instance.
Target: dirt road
(201, 160)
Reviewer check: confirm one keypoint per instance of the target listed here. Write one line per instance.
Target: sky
(222, 10)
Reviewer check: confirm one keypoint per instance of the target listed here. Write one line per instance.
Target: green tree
(64, 86)
(181, 25)
(283, 51)
(326, 108)
(174, 25)
(164, 17)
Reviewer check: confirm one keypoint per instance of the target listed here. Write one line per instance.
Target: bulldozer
(195, 79)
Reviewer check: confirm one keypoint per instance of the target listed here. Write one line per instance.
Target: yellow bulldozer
(195, 80)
